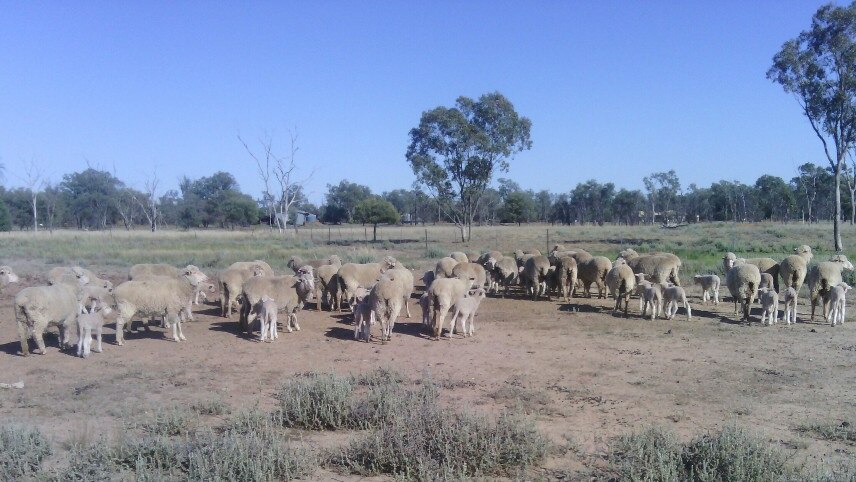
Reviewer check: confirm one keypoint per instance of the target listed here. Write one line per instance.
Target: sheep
(743, 281)
(442, 295)
(459, 257)
(267, 309)
(566, 277)
(729, 260)
(289, 293)
(56, 275)
(444, 267)
(660, 267)
(404, 278)
(593, 270)
(427, 279)
(621, 282)
(251, 265)
(326, 281)
(352, 275)
(836, 300)
(231, 281)
(155, 296)
(766, 280)
(364, 318)
(653, 297)
(521, 257)
(143, 270)
(794, 268)
(296, 262)
(473, 272)
(534, 276)
(89, 295)
(425, 304)
(789, 298)
(506, 273)
(770, 304)
(38, 307)
(709, 287)
(386, 299)
(641, 285)
(465, 310)
(823, 276)
(672, 295)
(765, 265)
(473, 257)
(198, 286)
(91, 323)
(7, 276)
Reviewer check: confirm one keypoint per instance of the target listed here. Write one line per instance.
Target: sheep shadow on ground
(580, 308)
(344, 318)
(340, 333)
(233, 327)
(214, 311)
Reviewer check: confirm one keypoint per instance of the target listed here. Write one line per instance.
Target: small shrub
(650, 455)
(316, 401)
(435, 252)
(170, 422)
(845, 431)
(378, 376)
(90, 463)
(22, 451)
(733, 454)
(214, 406)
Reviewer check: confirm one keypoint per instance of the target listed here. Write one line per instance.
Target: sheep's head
(389, 263)
(335, 260)
(7, 276)
(518, 254)
(306, 270)
(619, 262)
(477, 293)
(294, 262)
(846, 265)
(803, 250)
(196, 272)
(628, 253)
(257, 270)
(306, 282)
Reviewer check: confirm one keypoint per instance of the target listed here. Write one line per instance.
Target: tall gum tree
(818, 68)
(454, 152)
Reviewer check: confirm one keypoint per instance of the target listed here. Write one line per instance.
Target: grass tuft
(22, 451)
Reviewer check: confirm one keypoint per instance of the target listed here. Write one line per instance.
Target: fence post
(548, 240)
(426, 241)
(328, 234)
(366, 234)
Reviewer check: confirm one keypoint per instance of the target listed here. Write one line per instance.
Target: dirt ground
(583, 374)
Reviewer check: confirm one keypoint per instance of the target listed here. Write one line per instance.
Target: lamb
(473, 272)
(789, 298)
(710, 287)
(770, 304)
(593, 270)
(231, 281)
(505, 273)
(38, 307)
(766, 280)
(427, 279)
(743, 281)
(267, 309)
(155, 296)
(90, 295)
(88, 324)
(289, 293)
(296, 262)
(465, 310)
(794, 268)
(836, 299)
(672, 295)
(352, 276)
(425, 303)
(653, 297)
(566, 277)
(363, 315)
(56, 275)
(444, 267)
(459, 257)
(823, 276)
(251, 265)
(641, 285)
(534, 276)
(7, 276)
(442, 295)
(621, 282)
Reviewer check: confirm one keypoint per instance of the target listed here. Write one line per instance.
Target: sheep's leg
(293, 319)
(439, 318)
(81, 332)
(452, 324)
(407, 306)
(38, 335)
(98, 332)
(87, 343)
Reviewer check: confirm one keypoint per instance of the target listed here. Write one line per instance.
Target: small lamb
(710, 287)
(770, 303)
(267, 310)
(465, 309)
(89, 323)
(766, 281)
(641, 285)
(789, 298)
(425, 303)
(653, 297)
(672, 295)
(836, 299)
(364, 316)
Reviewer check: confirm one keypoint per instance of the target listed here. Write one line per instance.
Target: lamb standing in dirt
(38, 307)
(672, 295)
(653, 297)
(836, 299)
(789, 298)
(267, 309)
(289, 293)
(770, 304)
(89, 324)
(364, 316)
(465, 310)
(710, 287)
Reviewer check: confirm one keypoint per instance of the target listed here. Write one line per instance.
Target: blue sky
(615, 89)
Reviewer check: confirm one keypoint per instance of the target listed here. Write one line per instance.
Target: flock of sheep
(376, 293)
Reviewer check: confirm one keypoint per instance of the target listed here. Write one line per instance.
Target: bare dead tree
(278, 173)
(33, 178)
(149, 205)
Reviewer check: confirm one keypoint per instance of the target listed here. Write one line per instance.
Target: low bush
(22, 451)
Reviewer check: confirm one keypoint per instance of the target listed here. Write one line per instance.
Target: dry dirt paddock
(582, 373)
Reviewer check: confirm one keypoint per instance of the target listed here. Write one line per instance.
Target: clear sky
(615, 89)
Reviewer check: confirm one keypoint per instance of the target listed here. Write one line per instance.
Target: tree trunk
(35, 215)
(853, 204)
(837, 221)
(374, 233)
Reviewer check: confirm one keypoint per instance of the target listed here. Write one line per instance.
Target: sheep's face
(389, 262)
(305, 270)
(627, 253)
(7, 276)
(258, 270)
(307, 281)
(477, 293)
(335, 260)
(619, 262)
(846, 265)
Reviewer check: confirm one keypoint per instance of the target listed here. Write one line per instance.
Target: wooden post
(366, 234)
(329, 229)
(426, 241)
(548, 240)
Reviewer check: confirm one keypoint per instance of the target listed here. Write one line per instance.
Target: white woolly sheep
(652, 297)
(251, 264)
(352, 276)
(88, 324)
(444, 267)
(473, 272)
(709, 287)
(836, 300)
(465, 311)
(794, 268)
(56, 275)
(442, 295)
(743, 281)
(386, 299)
(232, 281)
(660, 267)
(7, 276)
(566, 277)
(38, 307)
(459, 256)
(404, 278)
(534, 276)
(672, 295)
(267, 310)
(641, 285)
(770, 305)
(593, 270)
(159, 269)
(505, 273)
(296, 262)
(823, 276)
(90, 295)
(289, 293)
(621, 282)
(789, 298)
(326, 281)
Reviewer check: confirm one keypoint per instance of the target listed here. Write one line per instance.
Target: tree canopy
(374, 211)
